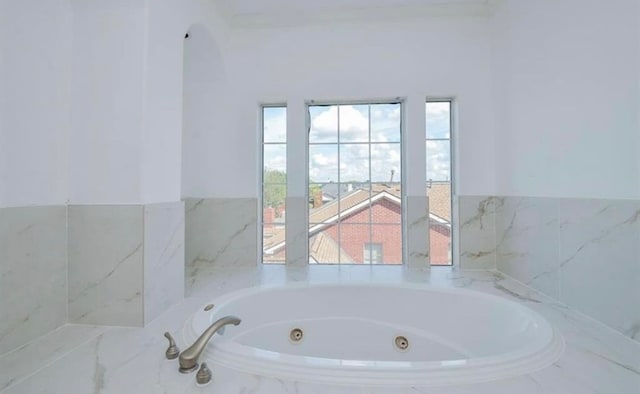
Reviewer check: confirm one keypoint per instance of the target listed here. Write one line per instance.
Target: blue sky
(352, 161)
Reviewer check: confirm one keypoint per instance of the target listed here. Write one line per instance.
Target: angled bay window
(354, 181)
(274, 182)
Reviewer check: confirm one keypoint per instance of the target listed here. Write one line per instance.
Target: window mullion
(370, 191)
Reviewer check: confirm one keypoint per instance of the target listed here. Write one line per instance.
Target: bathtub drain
(296, 335)
(401, 343)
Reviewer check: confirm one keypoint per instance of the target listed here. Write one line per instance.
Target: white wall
(3, 181)
(567, 77)
(35, 102)
(205, 116)
(91, 99)
(127, 123)
(108, 91)
(447, 56)
(91, 102)
(168, 22)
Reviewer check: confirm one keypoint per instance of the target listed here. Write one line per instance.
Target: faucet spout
(189, 357)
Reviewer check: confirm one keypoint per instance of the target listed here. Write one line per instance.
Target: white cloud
(353, 122)
(385, 158)
(438, 159)
(438, 119)
(323, 163)
(354, 162)
(356, 159)
(385, 122)
(350, 119)
(275, 158)
(275, 124)
(387, 113)
(322, 160)
(437, 108)
(278, 163)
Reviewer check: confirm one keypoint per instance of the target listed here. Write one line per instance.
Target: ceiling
(239, 10)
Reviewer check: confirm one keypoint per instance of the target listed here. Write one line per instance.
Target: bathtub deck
(86, 359)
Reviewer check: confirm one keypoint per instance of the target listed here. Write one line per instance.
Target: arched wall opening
(220, 228)
(203, 114)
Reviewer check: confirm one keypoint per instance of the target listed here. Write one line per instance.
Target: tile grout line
(572, 309)
(27, 376)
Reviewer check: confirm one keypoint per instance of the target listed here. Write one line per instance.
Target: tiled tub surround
(297, 232)
(585, 253)
(477, 231)
(163, 257)
(125, 262)
(112, 265)
(33, 273)
(106, 264)
(220, 233)
(558, 246)
(528, 247)
(223, 233)
(85, 359)
(417, 232)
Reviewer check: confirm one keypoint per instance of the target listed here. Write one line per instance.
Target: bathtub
(376, 335)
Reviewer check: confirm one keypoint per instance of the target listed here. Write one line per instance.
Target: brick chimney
(317, 198)
(268, 217)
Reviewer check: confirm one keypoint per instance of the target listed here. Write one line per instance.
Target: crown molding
(299, 17)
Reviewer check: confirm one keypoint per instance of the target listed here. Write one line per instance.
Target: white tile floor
(87, 359)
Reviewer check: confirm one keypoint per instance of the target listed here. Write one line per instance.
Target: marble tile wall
(126, 262)
(220, 233)
(297, 232)
(527, 247)
(585, 253)
(33, 275)
(163, 257)
(477, 231)
(599, 263)
(223, 233)
(417, 231)
(106, 264)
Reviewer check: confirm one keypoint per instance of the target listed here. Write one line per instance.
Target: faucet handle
(172, 351)
(204, 374)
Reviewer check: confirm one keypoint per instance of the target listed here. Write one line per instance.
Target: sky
(354, 159)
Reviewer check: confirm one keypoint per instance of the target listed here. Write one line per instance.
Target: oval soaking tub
(377, 335)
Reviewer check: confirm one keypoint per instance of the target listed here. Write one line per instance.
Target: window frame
(368, 247)
(261, 183)
(401, 144)
(452, 175)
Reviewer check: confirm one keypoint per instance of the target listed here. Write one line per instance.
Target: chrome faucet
(189, 357)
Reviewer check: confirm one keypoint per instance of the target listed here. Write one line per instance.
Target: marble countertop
(89, 359)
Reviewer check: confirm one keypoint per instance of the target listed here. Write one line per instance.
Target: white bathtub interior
(454, 335)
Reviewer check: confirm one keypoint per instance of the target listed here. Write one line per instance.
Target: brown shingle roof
(323, 249)
(440, 199)
(439, 194)
(331, 209)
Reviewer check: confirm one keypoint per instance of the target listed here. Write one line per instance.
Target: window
(354, 181)
(372, 253)
(274, 183)
(439, 183)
